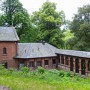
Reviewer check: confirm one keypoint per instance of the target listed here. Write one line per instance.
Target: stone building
(15, 55)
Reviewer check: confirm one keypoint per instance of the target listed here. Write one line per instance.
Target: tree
(15, 15)
(80, 26)
(48, 22)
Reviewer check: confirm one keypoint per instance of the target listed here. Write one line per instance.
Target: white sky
(68, 6)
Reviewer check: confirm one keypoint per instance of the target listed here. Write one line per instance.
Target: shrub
(25, 69)
(61, 74)
(2, 67)
(68, 74)
(41, 70)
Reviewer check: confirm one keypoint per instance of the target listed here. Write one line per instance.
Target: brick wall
(11, 52)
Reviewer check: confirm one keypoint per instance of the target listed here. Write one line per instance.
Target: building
(15, 55)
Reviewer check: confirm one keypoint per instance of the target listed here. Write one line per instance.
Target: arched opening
(83, 67)
(77, 65)
(71, 64)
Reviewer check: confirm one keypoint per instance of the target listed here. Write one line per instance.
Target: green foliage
(25, 69)
(49, 80)
(48, 22)
(61, 73)
(80, 26)
(68, 74)
(1, 67)
(40, 70)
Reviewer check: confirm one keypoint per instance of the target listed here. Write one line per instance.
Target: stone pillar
(69, 63)
(60, 59)
(74, 64)
(86, 70)
(50, 63)
(80, 69)
(35, 63)
(43, 64)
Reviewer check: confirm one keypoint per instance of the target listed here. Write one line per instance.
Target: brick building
(15, 55)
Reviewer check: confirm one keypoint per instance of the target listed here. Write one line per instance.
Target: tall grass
(48, 80)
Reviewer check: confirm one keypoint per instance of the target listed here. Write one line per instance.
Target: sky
(70, 7)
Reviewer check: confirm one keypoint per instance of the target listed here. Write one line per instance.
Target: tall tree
(48, 22)
(81, 28)
(15, 15)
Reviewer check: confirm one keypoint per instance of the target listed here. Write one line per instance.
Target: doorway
(77, 65)
(83, 67)
(71, 64)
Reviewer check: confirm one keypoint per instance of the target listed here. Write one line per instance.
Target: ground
(39, 80)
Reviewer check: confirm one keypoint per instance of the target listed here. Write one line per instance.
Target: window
(31, 64)
(4, 51)
(46, 62)
(54, 61)
(39, 63)
(21, 64)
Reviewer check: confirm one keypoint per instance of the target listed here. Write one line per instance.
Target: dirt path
(4, 88)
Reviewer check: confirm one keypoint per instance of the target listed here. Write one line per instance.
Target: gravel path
(4, 88)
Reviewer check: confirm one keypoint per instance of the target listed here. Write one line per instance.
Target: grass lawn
(48, 80)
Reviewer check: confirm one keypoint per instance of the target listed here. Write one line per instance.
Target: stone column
(80, 69)
(86, 70)
(50, 63)
(74, 64)
(43, 64)
(35, 63)
(60, 59)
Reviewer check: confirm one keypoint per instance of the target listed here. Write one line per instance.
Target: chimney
(43, 42)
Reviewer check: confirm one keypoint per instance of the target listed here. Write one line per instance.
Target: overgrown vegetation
(41, 79)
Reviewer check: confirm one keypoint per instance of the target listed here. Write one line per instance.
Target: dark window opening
(89, 66)
(54, 61)
(46, 62)
(66, 60)
(31, 64)
(5, 65)
(62, 59)
(4, 51)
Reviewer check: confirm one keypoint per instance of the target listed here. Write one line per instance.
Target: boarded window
(31, 64)
(46, 62)
(4, 51)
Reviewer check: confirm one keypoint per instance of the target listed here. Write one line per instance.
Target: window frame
(4, 51)
(46, 62)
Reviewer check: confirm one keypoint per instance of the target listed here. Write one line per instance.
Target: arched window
(4, 51)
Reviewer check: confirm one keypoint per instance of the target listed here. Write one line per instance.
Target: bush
(41, 70)
(2, 67)
(68, 74)
(61, 74)
(25, 69)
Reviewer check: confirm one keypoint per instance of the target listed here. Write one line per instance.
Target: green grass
(49, 80)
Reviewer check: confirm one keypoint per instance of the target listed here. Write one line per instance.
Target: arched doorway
(83, 67)
(71, 64)
(77, 65)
